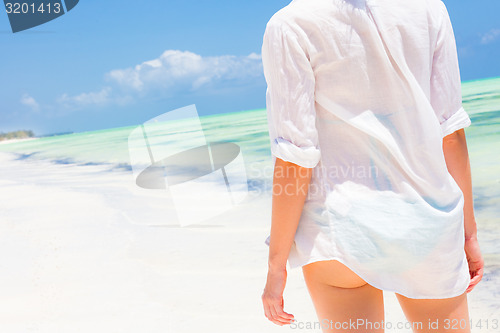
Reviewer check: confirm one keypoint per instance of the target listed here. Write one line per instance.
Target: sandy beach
(16, 140)
(78, 258)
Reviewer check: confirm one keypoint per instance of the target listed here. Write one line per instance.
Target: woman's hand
(475, 260)
(272, 298)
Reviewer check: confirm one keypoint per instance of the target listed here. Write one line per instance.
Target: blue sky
(119, 63)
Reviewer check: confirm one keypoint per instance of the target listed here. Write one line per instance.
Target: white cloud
(490, 36)
(173, 72)
(100, 97)
(30, 102)
(187, 71)
(255, 56)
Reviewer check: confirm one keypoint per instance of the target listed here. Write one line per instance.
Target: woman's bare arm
(290, 187)
(457, 161)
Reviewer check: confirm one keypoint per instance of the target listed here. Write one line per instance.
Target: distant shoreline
(19, 134)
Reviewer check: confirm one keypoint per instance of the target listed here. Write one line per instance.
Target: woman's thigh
(343, 301)
(437, 315)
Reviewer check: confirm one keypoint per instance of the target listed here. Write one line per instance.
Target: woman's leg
(437, 315)
(343, 301)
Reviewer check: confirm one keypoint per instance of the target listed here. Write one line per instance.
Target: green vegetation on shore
(21, 134)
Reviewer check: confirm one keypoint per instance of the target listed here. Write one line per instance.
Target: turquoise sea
(109, 150)
(248, 129)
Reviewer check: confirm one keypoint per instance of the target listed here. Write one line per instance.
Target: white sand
(16, 140)
(83, 250)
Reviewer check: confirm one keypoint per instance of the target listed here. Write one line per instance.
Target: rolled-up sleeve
(290, 102)
(446, 92)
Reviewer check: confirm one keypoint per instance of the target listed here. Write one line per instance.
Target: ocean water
(103, 156)
(248, 129)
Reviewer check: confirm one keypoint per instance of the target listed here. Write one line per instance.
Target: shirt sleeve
(446, 90)
(290, 103)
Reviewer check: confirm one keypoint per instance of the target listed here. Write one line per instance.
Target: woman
(372, 186)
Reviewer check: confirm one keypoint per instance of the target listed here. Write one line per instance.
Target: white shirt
(363, 92)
